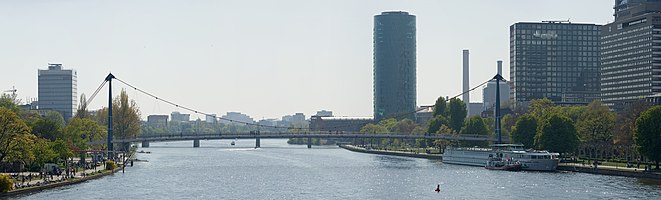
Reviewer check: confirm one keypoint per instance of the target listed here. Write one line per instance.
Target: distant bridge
(145, 140)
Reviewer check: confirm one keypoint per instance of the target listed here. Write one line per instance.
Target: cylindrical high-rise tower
(394, 65)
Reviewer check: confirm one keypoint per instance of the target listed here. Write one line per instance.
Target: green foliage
(9, 102)
(126, 119)
(61, 149)
(506, 123)
(14, 136)
(540, 108)
(557, 134)
(403, 126)
(436, 123)
(82, 113)
(475, 126)
(648, 133)
(50, 126)
(573, 112)
(524, 131)
(80, 131)
(596, 124)
(110, 165)
(440, 107)
(457, 114)
(6, 184)
(43, 153)
(373, 128)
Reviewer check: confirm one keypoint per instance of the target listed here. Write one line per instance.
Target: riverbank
(609, 170)
(573, 167)
(392, 153)
(58, 184)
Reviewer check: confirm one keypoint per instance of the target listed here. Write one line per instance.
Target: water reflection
(393, 162)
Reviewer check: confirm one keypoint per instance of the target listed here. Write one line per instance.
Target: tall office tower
(394, 65)
(555, 60)
(631, 53)
(57, 90)
(466, 82)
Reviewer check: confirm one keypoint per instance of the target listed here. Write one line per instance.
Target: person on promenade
(438, 188)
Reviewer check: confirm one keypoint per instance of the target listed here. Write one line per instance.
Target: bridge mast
(498, 78)
(110, 149)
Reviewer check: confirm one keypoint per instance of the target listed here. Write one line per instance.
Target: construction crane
(13, 90)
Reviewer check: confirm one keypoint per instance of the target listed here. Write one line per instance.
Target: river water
(217, 170)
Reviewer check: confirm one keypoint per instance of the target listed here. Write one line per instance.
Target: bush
(6, 184)
(110, 165)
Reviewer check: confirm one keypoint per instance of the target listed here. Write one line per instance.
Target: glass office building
(558, 60)
(394, 65)
(58, 90)
(631, 53)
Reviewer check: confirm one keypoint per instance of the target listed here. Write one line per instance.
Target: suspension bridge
(302, 132)
(145, 140)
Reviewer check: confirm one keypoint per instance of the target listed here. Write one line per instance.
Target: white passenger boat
(530, 159)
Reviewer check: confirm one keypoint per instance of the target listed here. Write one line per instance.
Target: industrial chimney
(466, 96)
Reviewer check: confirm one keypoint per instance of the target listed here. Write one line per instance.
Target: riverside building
(57, 90)
(631, 53)
(394, 65)
(558, 60)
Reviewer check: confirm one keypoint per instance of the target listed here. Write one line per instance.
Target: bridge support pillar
(145, 144)
(196, 143)
(257, 143)
(309, 142)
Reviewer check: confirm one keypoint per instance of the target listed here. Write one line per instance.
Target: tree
(436, 123)
(126, 119)
(524, 131)
(404, 126)
(648, 134)
(439, 107)
(457, 114)
(557, 134)
(82, 109)
(540, 108)
(475, 126)
(61, 149)
(50, 126)
(42, 152)
(596, 124)
(626, 122)
(9, 102)
(14, 135)
(80, 131)
(506, 124)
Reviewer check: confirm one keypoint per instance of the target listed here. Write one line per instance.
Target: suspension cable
(96, 92)
(261, 125)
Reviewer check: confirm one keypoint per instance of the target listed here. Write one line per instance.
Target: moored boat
(500, 164)
(532, 160)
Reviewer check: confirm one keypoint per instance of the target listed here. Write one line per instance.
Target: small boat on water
(503, 164)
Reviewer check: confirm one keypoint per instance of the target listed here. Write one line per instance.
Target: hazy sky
(265, 58)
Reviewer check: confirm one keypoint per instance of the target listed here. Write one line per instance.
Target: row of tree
(28, 139)
(572, 130)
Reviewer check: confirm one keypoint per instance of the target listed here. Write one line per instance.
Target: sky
(263, 58)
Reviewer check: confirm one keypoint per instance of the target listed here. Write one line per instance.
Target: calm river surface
(280, 171)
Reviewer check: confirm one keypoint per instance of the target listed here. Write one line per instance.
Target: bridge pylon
(309, 142)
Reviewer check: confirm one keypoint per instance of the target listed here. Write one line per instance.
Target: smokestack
(500, 67)
(466, 96)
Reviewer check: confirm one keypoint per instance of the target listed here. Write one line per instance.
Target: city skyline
(276, 59)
